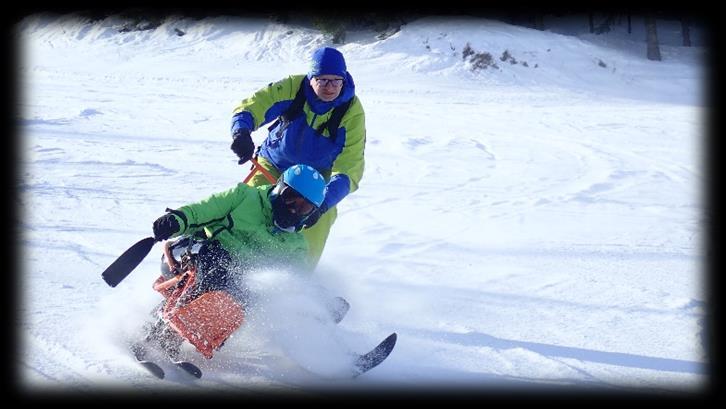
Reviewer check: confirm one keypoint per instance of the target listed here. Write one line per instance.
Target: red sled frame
(205, 321)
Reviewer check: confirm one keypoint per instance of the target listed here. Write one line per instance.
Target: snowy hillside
(519, 226)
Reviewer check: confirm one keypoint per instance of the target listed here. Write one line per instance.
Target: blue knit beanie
(327, 60)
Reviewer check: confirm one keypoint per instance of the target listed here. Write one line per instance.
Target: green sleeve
(260, 103)
(215, 208)
(351, 160)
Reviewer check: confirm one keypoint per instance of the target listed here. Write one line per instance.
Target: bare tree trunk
(630, 26)
(592, 22)
(539, 22)
(686, 30)
(652, 38)
(604, 27)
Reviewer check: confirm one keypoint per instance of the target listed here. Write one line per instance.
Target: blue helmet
(307, 181)
(299, 192)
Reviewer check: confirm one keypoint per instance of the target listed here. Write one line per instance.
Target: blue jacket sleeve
(242, 120)
(335, 191)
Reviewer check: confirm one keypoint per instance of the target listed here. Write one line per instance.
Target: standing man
(318, 121)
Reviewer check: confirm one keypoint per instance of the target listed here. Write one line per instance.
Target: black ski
(338, 308)
(153, 368)
(140, 354)
(370, 360)
(189, 368)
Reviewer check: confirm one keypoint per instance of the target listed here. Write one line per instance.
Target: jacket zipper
(301, 135)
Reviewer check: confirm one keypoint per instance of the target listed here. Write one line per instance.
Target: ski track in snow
(511, 235)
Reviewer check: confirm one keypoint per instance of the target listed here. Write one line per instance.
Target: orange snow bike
(206, 319)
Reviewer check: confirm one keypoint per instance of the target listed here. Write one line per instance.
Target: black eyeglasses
(294, 201)
(336, 82)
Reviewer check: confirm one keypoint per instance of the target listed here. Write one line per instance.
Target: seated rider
(242, 228)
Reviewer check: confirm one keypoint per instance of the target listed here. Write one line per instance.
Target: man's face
(327, 87)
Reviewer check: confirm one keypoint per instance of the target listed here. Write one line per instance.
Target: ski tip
(373, 358)
(339, 309)
(190, 368)
(387, 344)
(153, 368)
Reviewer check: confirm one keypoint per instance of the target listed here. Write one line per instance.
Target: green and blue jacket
(339, 158)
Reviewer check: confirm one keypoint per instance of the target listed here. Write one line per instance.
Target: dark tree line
(651, 29)
(337, 22)
(600, 25)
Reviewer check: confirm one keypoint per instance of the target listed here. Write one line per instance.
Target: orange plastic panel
(208, 321)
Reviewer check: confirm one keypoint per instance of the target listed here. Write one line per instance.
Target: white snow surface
(519, 227)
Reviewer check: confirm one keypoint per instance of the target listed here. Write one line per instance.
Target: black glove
(314, 217)
(165, 226)
(242, 145)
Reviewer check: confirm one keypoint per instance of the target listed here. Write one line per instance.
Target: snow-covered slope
(516, 226)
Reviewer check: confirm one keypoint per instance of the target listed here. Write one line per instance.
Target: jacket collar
(320, 107)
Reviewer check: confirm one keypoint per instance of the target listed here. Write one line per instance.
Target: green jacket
(241, 220)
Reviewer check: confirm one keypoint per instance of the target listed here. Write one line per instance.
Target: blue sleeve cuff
(335, 191)
(242, 120)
